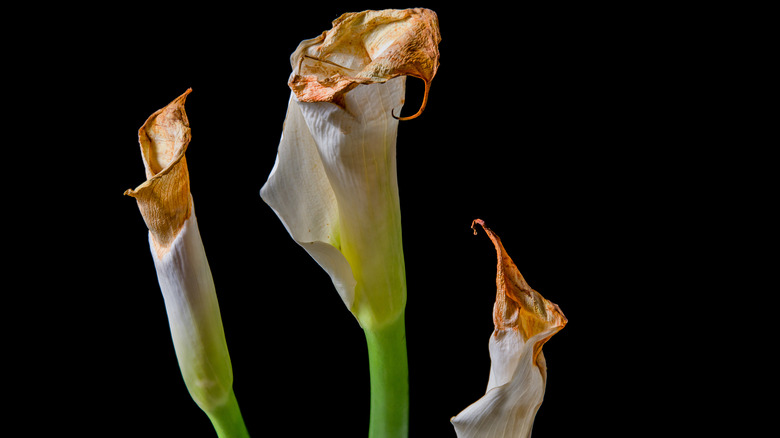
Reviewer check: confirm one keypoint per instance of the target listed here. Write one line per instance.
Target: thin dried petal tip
(518, 306)
(364, 48)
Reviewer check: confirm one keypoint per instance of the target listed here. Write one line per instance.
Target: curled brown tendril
(422, 106)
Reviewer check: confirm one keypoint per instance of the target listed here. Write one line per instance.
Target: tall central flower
(334, 185)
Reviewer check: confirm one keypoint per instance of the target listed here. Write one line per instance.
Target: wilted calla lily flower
(182, 268)
(334, 183)
(523, 321)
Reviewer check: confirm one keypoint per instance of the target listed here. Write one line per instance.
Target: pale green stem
(389, 380)
(227, 419)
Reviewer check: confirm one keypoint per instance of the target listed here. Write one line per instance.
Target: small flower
(183, 270)
(523, 321)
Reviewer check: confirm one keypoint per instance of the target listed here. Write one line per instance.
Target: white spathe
(194, 317)
(334, 187)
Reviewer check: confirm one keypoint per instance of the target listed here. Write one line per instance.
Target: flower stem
(227, 419)
(389, 380)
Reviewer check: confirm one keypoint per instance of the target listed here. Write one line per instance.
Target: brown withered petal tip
(366, 48)
(518, 306)
(164, 198)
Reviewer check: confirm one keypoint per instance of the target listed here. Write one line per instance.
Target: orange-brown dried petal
(367, 47)
(518, 306)
(164, 198)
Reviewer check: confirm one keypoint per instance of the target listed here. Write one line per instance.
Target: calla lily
(523, 321)
(334, 184)
(182, 268)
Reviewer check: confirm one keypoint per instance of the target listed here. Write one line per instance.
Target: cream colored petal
(334, 188)
(194, 317)
(300, 194)
(357, 147)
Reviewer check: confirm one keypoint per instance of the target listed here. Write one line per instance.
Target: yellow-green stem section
(389, 371)
(227, 419)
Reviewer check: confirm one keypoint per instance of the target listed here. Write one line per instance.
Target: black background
(567, 130)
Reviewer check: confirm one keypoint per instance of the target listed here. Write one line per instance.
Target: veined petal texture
(299, 192)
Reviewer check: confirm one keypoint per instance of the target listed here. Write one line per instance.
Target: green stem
(389, 381)
(227, 419)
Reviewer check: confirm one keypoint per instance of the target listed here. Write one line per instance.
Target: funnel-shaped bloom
(334, 187)
(523, 321)
(334, 183)
(182, 268)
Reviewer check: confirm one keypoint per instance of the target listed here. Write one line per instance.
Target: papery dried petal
(366, 47)
(164, 198)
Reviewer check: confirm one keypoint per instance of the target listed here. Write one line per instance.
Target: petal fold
(194, 318)
(300, 194)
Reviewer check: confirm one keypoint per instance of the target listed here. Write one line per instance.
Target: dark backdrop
(542, 121)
